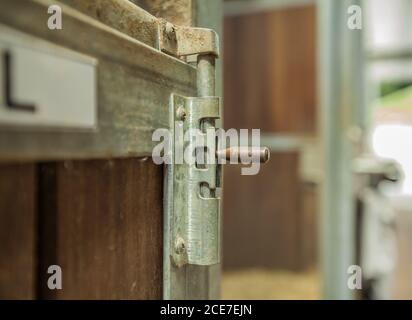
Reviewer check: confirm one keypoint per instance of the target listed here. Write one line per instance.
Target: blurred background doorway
(270, 220)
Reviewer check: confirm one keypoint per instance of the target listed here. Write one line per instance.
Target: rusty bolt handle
(262, 153)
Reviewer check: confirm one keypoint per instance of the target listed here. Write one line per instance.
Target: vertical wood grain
(262, 216)
(270, 84)
(102, 224)
(270, 71)
(17, 231)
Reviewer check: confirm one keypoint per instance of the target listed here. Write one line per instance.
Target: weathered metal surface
(209, 14)
(192, 212)
(134, 85)
(123, 16)
(179, 12)
(185, 41)
(195, 221)
(193, 281)
(192, 208)
(206, 80)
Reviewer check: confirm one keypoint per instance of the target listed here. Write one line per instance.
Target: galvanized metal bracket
(192, 193)
(184, 41)
(195, 212)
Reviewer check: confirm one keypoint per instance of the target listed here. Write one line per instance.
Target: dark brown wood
(17, 231)
(270, 71)
(102, 223)
(270, 84)
(262, 216)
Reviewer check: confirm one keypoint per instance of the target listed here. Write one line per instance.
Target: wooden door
(87, 200)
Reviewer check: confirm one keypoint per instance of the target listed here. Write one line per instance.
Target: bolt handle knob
(238, 153)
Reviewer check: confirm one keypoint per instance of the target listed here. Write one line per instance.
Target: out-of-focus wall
(270, 71)
(270, 83)
(388, 25)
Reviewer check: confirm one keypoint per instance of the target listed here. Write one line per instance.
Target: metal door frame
(194, 281)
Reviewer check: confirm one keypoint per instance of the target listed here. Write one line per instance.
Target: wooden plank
(266, 49)
(102, 223)
(17, 231)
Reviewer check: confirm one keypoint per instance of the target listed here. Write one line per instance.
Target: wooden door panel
(269, 83)
(262, 216)
(103, 226)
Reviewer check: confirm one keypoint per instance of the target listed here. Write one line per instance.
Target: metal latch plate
(196, 203)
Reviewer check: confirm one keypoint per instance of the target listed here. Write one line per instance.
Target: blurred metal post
(341, 109)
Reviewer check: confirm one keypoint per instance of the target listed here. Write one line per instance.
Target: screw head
(181, 113)
(180, 246)
(170, 30)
